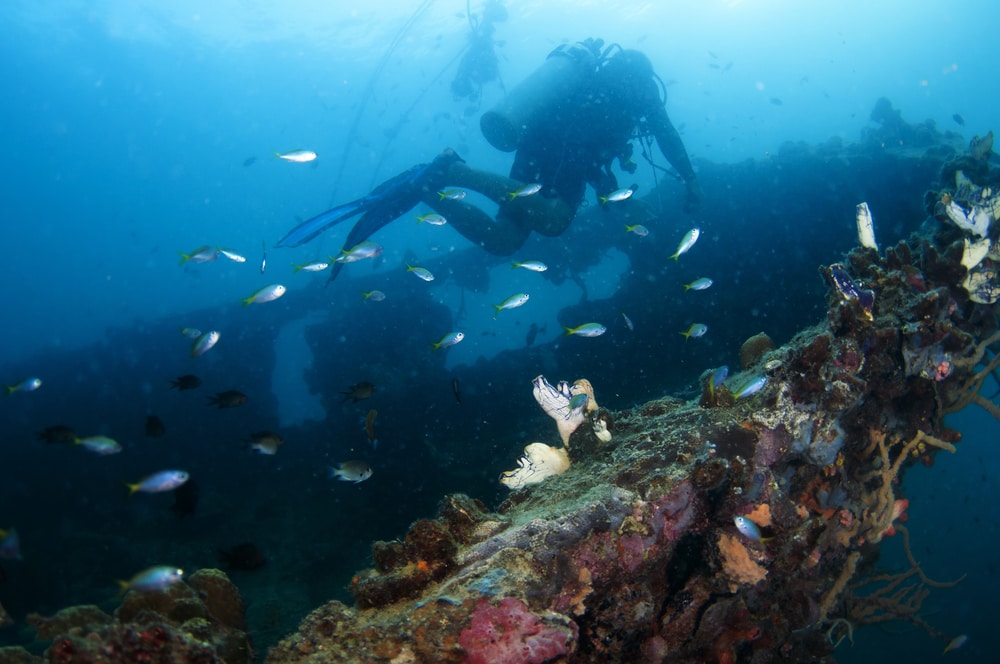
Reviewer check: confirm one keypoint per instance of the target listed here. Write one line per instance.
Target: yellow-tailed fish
(512, 302)
(373, 295)
(956, 643)
(203, 254)
(747, 528)
(452, 194)
(360, 251)
(526, 190)
(152, 579)
(586, 330)
(449, 339)
(265, 294)
(699, 284)
(165, 480)
(617, 196)
(695, 330)
(432, 218)
(534, 266)
(421, 272)
(312, 266)
(687, 242)
(101, 445)
(204, 343)
(26, 385)
(750, 387)
(191, 332)
(638, 229)
(297, 156)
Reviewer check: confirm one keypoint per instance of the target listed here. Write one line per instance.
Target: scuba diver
(567, 123)
(479, 65)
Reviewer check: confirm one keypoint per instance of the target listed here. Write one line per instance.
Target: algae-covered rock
(200, 621)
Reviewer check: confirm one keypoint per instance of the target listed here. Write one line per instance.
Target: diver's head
(630, 73)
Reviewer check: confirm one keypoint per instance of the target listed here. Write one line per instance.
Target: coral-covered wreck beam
(735, 527)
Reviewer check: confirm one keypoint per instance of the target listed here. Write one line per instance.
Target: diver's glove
(695, 195)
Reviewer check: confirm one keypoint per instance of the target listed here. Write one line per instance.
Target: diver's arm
(673, 149)
(670, 143)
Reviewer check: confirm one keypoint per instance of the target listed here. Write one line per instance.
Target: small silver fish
(534, 266)
(699, 284)
(695, 330)
(265, 294)
(452, 194)
(956, 643)
(204, 343)
(421, 272)
(231, 255)
(628, 323)
(526, 190)
(512, 302)
(165, 480)
(297, 156)
(312, 266)
(617, 196)
(101, 445)
(751, 387)
(351, 471)
(432, 218)
(586, 330)
(203, 254)
(191, 332)
(638, 229)
(360, 251)
(687, 242)
(449, 339)
(152, 579)
(373, 295)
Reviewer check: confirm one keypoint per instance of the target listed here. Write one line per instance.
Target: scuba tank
(563, 72)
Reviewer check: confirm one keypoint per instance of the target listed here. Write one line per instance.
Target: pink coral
(511, 634)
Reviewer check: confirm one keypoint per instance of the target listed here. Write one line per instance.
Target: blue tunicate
(489, 583)
(757, 483)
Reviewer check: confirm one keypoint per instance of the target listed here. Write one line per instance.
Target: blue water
(136, 130)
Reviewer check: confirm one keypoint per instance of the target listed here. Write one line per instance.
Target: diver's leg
(500, 238)
(516, 218)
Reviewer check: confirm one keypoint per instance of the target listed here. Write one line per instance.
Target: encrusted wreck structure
(631, 552)
(737, 526)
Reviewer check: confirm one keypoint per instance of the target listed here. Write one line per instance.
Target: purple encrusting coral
(511, 634)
